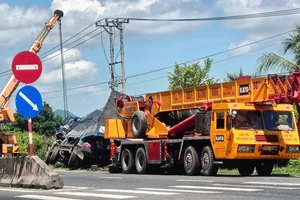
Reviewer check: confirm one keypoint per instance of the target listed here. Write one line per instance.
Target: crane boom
(5, 112)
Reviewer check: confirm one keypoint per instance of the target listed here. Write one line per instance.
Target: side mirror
(229, 118)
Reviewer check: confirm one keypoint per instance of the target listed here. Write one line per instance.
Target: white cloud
(75, 71)
(53, 61)
(19, 23)
(79, 14)
(243, 50)
(267, 25)
(257, 28)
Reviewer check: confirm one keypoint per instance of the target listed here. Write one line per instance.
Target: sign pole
(31, 152)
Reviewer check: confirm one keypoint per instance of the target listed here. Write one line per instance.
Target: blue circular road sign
(29, 102)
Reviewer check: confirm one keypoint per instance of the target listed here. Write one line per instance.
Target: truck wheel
(127, 162)
(141, 164)
(207, 162)
(48, 156)
(191, 161)
(74, 162)
(138, 124)
(246, 170)
(264, 168)
(54, 155)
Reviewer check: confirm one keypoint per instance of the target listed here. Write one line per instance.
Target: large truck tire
(141, 162)
(138, 124)
(191, 161)
(74, 162)
(127, 162)
(207, 162)
(54, 155)
(265, 168)
(246, 169)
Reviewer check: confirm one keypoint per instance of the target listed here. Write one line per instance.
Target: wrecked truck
(80, 142)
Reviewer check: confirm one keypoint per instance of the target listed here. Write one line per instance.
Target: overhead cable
(72, 47)
(232, 17)
(44, 54)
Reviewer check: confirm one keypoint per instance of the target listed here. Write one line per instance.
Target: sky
(148, 46)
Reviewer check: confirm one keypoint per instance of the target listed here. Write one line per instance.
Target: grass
(293, 169)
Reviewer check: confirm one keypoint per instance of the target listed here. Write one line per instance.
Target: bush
(40, 143)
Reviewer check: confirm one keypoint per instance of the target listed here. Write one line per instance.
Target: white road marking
(86, 194)
(110, 177)
(27, 67)
(187, 180)
(18, 190)
(136, 191)
(76, 187)
(217, 188)
(260, 186)
(177, 190)
(272, 183)
(41, 197)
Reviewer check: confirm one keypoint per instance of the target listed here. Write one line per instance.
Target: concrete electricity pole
(108, 27)
(65, 95)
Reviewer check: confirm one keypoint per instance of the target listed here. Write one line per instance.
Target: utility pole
(112, 57)
(122, 58)
(108, 27)
(65, 96)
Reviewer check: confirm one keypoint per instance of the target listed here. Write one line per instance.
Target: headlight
(292, 149)
(246, 148)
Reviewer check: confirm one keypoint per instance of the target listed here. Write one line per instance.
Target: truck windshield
(248, 119)
(278, 120)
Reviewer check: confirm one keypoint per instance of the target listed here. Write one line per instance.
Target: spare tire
(138, 124)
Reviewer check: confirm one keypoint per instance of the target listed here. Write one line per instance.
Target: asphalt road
(102, 185)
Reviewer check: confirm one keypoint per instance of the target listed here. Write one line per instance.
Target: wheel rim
(126, 161)
(188, 161)
(140, 161)
(205, 161)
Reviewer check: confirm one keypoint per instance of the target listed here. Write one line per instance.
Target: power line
(211, 55)
(164, 68)
(72, 47)
(73, 41)
(67, 40)
(5, 72)
(144, 81)
(75, 88)
(245, 53)
(78, 94)
(231, 17)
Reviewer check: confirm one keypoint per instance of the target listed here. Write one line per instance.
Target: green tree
(191, 75)
(272, 61)
(46, 123)
(233, 76)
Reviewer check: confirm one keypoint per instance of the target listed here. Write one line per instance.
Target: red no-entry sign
(26, 67)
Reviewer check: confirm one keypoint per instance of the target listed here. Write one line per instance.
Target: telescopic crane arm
(6, 114)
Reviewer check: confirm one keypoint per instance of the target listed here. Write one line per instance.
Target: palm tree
(233, 76)
(272, 61)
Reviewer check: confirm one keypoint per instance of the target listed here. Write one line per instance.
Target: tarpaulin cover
(94, 122)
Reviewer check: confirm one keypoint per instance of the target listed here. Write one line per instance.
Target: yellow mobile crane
(8, 143)
(245, 124)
